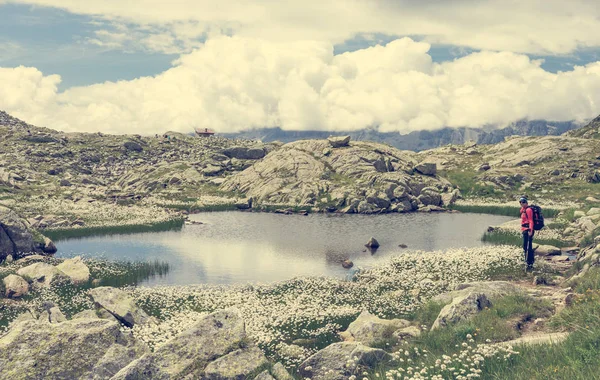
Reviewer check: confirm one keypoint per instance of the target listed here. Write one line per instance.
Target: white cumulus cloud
(526, 26)
(235, 83)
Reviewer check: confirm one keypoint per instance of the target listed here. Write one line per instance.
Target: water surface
(242, 247)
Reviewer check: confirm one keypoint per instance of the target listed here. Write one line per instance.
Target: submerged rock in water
(372, 243)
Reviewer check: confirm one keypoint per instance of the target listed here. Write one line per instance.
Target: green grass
(501, 210)
(468, 184)
(508, 238)
(63, 234)
(575, 358)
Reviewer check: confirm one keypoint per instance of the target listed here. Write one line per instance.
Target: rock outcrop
(77, 349)
(210, 349)
(360, 178)
(17, 238)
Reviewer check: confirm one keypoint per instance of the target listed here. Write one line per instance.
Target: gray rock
(372, 243)
(427, 168)
(119, 304)
(280, 373)
(86, 314)
(236, 365)
(338, 141)
(461, 308)
(42, 274)
(407, 332)
(330, 362)
(244, 153)
(75, 269)
(67, 350)
(470, 298)
(264, 375)
(430, 197)
(133, 146)
(15, 286)
(369, 329)
(186, 355)
(547, 250)
(15, 237)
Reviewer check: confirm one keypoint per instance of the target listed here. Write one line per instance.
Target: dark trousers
(528, 248)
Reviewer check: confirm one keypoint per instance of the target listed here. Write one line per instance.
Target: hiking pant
(528, 248)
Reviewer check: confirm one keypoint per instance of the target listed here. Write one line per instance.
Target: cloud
(234, 83)
(525, 26)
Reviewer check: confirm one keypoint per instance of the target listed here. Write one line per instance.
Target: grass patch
(509, 238)
(588, 282)
(575, 358)
(500, 210)
(63, 234)
(467, 182)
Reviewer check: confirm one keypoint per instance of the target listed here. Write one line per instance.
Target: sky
(150, 66)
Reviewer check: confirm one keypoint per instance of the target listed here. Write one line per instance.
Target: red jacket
(526, 219)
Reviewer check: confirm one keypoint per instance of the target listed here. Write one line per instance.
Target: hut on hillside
(204, 132)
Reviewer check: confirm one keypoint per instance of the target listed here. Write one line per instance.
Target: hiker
(527, 231)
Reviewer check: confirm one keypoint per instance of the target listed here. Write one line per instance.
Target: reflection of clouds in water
(234, 247)
(241, 261)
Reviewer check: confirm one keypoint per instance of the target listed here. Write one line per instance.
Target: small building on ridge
(204, 132)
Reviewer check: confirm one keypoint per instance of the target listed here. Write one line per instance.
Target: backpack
(538, 218)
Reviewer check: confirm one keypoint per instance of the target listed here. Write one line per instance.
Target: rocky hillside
(590, 131)
(339, 175)
(40, 163)
(557, 167)
(421, 140)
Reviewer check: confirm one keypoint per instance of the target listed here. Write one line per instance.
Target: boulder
(280, 373)
(593, 211)
(547, 250)
(427, 168)
(75, 269)
(15, 286)
(42, 274)
(77, 349)
(368, 329)
(212, 170)
(133, 146)
(186, 355)
(119, 304)
(461, 308)
(238, 364)
(430, 197)
(338, 141)
(331, 362)
(16, 239)
(470, 298)
(244, 153)
(264, 375)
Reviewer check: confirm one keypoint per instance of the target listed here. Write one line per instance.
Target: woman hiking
(527, 231)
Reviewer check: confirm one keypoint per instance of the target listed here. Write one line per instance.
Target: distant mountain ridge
(419, 140)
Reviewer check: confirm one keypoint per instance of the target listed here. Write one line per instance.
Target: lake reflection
(241, 247)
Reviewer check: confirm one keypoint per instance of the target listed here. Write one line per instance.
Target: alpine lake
(248, 247)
